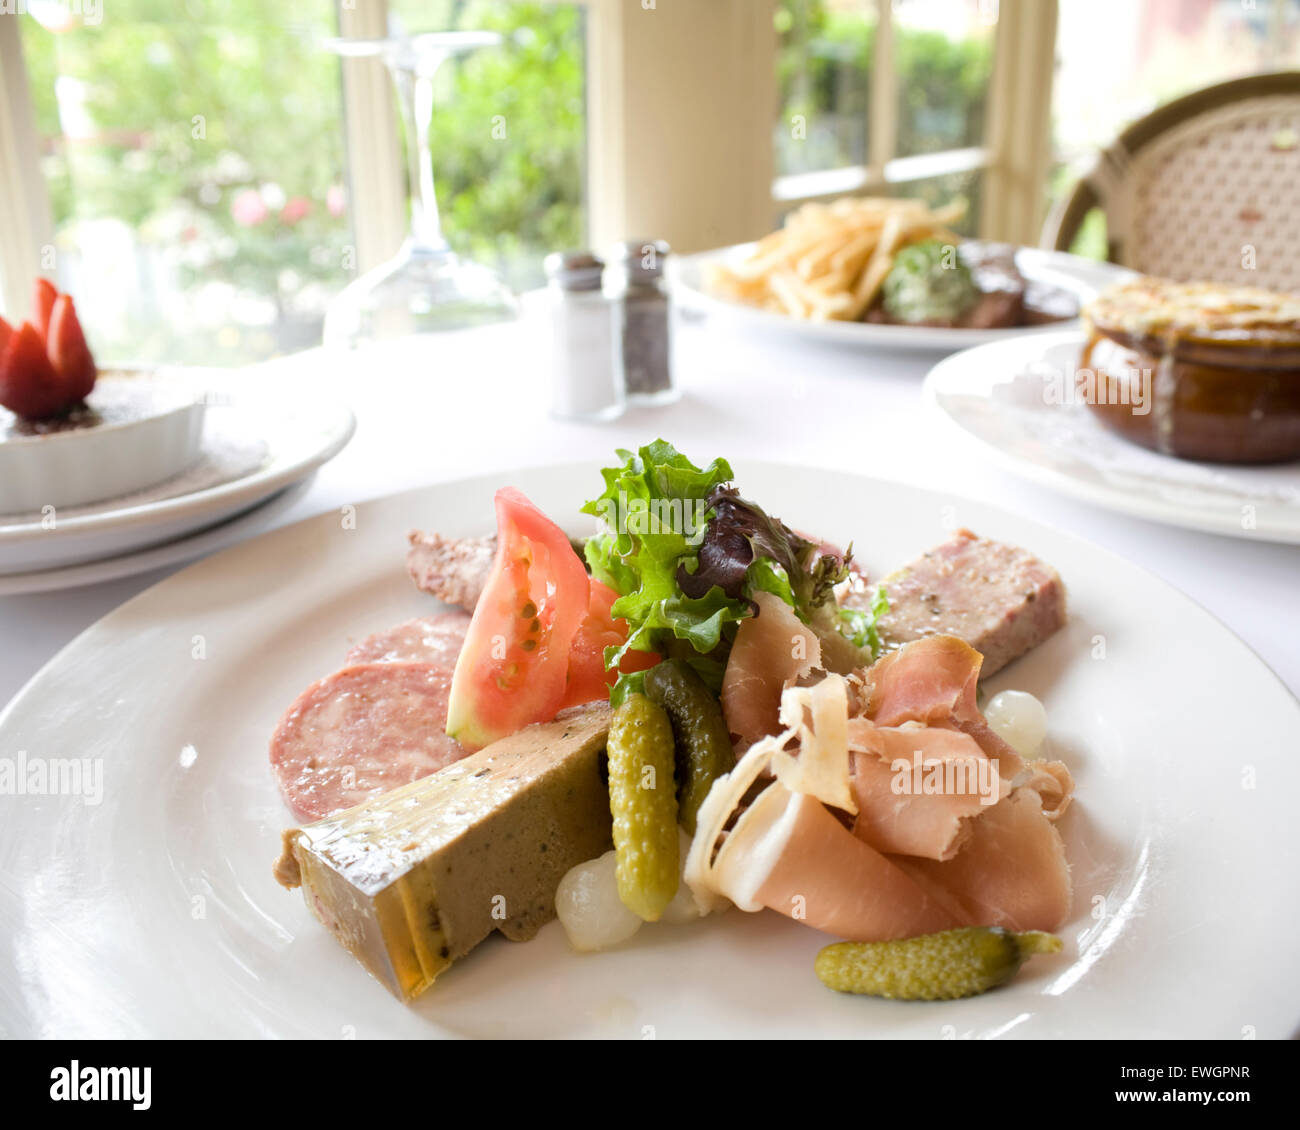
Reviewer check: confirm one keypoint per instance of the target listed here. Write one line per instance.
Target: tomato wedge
(513, 669)
(588, 679)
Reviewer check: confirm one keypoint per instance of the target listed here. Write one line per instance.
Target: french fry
(782, 286)
(817, 260)
(852, 255)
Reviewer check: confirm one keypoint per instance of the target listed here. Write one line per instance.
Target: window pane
(195, 161)
(509, 130)
(943, 59)
(823, 83)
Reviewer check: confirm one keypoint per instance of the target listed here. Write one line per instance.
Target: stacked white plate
(256, 447)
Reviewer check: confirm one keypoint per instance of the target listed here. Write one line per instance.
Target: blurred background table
(460, 404)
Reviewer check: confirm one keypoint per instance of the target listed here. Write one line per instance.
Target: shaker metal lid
(642, 258)
(574, 270)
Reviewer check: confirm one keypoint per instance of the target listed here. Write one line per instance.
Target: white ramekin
(85, 465)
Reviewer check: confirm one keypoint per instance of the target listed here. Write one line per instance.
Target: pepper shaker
(585, 382)
(642, 323)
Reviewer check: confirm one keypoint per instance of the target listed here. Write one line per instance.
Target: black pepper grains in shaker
(642, 318)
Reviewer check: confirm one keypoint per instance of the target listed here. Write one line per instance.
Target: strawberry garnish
(45, 365)
(44, 295)
(29, 385)
(68, 351)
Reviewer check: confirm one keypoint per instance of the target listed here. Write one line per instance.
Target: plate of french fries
(824, 270)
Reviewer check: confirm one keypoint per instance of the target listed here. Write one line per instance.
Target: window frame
(1015, 156)
(26, 223)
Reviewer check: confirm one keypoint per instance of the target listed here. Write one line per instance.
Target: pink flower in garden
(247, 208)
(335, 199)
(295, 208)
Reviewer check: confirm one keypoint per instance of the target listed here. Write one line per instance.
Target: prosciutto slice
(825, 876)
(772, 651)
(933, 681)
(1011, 872)
(841, 836)
(932, 824)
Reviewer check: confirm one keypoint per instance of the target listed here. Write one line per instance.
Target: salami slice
(362, 731)
(429, 639)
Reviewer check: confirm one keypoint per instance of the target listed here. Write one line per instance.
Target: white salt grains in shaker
(585, 383)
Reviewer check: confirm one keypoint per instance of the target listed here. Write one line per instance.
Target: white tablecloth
(444, 407)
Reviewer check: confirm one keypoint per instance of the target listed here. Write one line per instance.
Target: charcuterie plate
(137, 898)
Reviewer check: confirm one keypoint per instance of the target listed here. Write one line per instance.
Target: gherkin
(704, 750)
(934, 967)
(643, 803)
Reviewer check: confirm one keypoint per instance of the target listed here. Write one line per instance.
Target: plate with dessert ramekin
(97, 463)
(250, 447)
(1178, 402)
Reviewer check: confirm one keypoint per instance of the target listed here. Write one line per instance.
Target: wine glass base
(418, 291)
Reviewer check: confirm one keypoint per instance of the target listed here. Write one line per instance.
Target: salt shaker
(635, 285)
(585, 384)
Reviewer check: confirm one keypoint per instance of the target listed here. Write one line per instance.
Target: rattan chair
(1206, 187)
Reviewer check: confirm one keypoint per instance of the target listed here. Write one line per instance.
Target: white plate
(1082, 277)
(1008, 396)
(299, 434)
(253, 521)
(154, 912)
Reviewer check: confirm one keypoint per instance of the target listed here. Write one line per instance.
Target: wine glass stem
(415, 95)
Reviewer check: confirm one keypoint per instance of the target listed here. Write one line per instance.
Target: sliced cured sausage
(427, 639)
(360, 732)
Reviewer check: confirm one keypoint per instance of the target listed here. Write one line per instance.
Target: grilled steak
(1002, 286)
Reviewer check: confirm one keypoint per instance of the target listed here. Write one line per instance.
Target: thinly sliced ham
(823, 875)
(895, 770)
(909, 862)
(788, 852)
(933, 681)
(818, 716)
(1011, 872)
(773, 650)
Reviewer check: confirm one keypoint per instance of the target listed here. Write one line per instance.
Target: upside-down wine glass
(426, 287)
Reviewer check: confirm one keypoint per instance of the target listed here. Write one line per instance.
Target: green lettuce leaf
(686, 554)
(654, 511)
(860, 626)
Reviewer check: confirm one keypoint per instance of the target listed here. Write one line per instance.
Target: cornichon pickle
(643, 802)
(704, 749)
(933, 967)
